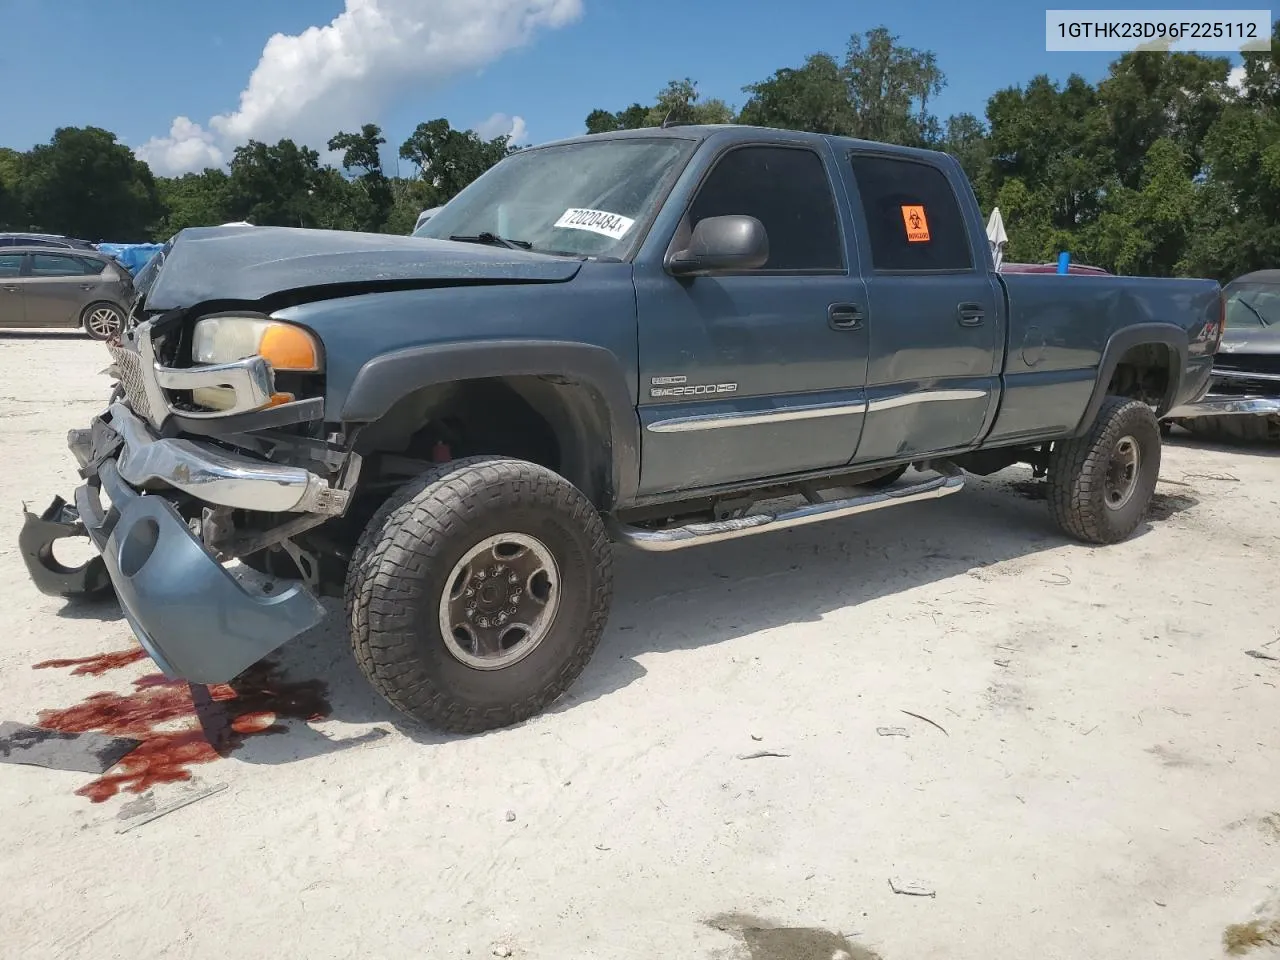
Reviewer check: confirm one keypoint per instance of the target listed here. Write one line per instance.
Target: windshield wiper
(1254, 310)
(494, 240)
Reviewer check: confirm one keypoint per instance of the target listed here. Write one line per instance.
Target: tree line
(1167, 166)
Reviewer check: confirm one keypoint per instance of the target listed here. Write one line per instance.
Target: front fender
(385, 380)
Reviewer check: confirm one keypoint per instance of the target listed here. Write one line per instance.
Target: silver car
(43, 287)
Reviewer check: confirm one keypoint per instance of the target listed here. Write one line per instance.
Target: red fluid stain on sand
(96, 665)
(200, 723)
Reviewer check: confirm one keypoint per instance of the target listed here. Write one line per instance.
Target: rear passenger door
(935, 310)
(12, 309)
(61, 285)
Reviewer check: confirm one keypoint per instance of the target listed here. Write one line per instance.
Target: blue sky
(134, 66)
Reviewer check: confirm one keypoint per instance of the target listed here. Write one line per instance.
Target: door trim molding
(751, 419)
(924, 396)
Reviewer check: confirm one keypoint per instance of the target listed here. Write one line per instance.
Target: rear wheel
(101, 320)
(478, 593)
(1101, 484)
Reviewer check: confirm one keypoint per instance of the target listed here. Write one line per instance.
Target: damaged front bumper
(195, 620)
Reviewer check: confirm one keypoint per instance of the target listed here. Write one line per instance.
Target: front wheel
(1101, 484)
(101, 320)
(478, 593)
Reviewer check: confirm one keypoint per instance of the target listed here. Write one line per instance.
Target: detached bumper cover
(195, 620)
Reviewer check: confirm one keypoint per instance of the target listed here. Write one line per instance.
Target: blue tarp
(134, 256)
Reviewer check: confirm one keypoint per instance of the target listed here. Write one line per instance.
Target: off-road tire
(397, 576)
(1242, 428)
(1078, 470)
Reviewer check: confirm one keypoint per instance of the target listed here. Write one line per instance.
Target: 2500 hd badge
(678, 387)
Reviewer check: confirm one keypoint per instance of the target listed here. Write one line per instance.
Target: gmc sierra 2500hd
(652, 337)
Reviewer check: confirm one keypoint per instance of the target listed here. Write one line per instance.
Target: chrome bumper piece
(145, 380)
(1222, 406)
(209, 473)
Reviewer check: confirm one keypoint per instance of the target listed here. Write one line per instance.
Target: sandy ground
(1106, 785)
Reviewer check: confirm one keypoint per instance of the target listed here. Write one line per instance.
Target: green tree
(192, 200)
(677, 102)
(814, 97)
(83, 183)
(450, 159)
(371, 201)
(12, 216)
(274, 184)
(410, 196)
(965, 138)
(1144, 231)
(1052, 141)
(890, 86)
(1148, 97)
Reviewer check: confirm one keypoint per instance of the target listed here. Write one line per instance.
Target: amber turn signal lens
(289, 348)
(279, 398)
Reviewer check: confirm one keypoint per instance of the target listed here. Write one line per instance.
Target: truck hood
(1249, 341)
(247, 263)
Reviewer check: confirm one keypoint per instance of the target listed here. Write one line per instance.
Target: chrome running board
(696, 534)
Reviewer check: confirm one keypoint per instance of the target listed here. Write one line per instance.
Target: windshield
(1254, 305)
(583, 199)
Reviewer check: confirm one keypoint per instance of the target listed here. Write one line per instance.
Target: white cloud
(1235, 79)
(502, 125)
(335, 77)
(187, 147)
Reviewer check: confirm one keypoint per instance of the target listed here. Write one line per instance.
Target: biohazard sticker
(597, 221)
(917, 224)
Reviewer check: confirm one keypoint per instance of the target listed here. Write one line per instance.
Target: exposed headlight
(228, 339)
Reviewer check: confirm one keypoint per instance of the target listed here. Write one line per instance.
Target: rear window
(912, 215)
(10, 264)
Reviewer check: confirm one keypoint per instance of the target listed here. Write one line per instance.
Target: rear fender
(1120, 343)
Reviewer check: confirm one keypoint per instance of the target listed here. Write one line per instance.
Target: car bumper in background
(1227, 405)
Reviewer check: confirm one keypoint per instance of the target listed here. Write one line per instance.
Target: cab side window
(787, 190)
(912, 215)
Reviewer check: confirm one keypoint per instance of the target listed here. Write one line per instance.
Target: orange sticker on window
(917, 224)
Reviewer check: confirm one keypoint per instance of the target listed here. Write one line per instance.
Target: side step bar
(696, 534)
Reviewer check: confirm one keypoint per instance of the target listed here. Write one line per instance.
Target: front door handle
(10, 289)
(845, 316)
(970, 315)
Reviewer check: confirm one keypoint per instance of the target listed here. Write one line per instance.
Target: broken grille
(131, 378)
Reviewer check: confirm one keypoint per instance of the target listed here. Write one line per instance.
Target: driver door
(756, 373)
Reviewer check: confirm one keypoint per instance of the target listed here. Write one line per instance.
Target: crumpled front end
(167, 508)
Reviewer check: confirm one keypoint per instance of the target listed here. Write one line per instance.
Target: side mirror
(723, 243)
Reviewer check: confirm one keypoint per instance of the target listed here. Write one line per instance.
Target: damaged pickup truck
(661, 338)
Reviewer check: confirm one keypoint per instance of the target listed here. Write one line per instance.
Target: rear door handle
(845, 316)
(970, 315)
(10, 289)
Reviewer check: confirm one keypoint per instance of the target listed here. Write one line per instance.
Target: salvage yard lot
(1068, 747)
